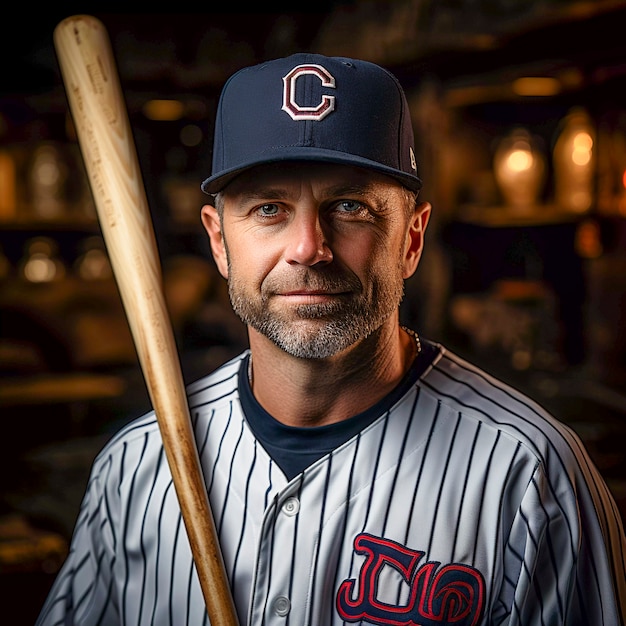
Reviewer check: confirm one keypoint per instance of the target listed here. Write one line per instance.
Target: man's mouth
(311, 296)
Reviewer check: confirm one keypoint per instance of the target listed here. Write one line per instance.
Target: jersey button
(281, 605)
(291, 506)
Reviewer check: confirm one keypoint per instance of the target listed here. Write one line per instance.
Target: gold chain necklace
(418, 343)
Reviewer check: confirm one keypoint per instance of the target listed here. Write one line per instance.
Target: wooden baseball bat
(104, 133)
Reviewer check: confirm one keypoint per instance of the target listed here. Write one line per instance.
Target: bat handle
(104, 133)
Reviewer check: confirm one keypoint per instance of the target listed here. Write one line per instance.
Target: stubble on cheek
(317, 330)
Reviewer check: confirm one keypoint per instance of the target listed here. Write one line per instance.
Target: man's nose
(308, 243)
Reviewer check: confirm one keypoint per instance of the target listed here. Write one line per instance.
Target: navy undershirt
(294, 448)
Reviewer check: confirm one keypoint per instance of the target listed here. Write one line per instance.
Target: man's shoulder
(219, 385)
(475, 394)
(143, 432)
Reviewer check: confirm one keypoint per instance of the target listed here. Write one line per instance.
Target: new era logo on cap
(313, 108)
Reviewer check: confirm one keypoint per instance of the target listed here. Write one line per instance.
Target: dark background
(537, 297)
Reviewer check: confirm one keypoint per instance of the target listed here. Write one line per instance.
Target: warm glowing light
(164, 110)
(47, 171)
(94, 265)
(519, 160)
(519, 169)
(40, 268)
(8, 185)
(588, 241)
(624, 179)
(583, 141)
(536, 86)
(574, 162)
(581, 148)
(581, 157)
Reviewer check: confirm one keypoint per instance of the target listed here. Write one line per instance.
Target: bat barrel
(104, 133)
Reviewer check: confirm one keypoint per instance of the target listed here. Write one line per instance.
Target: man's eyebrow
(280, 193)
(260, 193)
(348, 189)
(366, 190)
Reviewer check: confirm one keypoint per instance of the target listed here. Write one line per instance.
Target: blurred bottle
(93, 262)
(574, 163)
(519, 168)
(47, 178)
(41, 263)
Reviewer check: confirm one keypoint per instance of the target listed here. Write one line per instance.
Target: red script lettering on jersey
(452, 594)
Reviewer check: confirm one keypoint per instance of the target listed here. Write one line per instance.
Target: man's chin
(312, 338)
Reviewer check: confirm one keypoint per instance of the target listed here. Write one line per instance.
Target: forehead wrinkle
(260, 193)
(335, 187)
(348, 189)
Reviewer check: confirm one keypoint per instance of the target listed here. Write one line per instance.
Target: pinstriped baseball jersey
(462, 503)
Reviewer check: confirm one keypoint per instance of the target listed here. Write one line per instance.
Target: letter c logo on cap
(298, 112)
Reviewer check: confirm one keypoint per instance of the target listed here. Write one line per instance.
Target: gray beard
(318, 331)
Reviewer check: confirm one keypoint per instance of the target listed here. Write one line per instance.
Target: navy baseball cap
(310, 107)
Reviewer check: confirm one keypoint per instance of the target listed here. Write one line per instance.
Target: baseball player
(357, 473)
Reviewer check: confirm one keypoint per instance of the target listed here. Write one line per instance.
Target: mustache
(332, 281)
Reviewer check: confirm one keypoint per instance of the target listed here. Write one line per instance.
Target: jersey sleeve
(83, 592)
(564, 558)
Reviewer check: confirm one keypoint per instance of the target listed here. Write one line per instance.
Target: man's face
(315, 254)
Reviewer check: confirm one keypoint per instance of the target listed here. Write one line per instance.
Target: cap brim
(217, 182)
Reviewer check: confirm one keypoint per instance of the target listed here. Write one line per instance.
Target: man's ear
(415, 237)
(213, 226)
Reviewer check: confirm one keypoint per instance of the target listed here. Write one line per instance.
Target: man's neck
(313, 392)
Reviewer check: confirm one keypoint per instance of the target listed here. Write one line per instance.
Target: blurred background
(519, 110)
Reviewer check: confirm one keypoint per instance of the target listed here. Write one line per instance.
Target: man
(358, 474)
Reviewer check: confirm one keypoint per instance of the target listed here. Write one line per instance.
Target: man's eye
(349, 206)
(268, 210)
